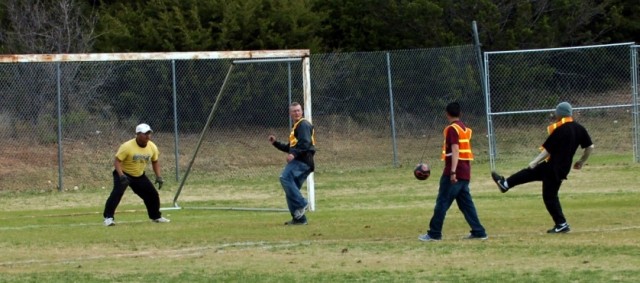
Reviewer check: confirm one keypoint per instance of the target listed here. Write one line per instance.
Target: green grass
(365, 229)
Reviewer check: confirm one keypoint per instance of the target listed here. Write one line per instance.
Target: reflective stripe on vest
(464, 143)
(555, 125)
(292, 137)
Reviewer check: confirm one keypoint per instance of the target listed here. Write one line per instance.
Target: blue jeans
(447, 193)
(292, 177)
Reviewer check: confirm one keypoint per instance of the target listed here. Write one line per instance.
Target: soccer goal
(252, 98)
(214, 110)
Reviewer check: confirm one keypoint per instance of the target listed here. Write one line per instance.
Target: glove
(124, 180)
(159, 181)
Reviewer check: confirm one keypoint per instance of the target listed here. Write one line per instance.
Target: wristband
(453, 173)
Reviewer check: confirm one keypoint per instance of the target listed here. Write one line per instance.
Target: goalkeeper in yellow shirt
(130, 162)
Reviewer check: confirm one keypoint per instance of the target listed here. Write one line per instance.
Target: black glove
(159, 181)
(124, 180)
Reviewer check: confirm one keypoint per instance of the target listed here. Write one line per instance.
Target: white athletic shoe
(161, 220)
(109, 221)
(427, 238)
(298, 213)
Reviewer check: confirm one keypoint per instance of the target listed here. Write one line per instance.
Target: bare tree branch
(49, 27)
(45, 27)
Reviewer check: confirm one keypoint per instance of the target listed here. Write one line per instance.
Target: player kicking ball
(553, 164)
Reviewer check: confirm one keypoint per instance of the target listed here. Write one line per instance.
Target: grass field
(365, 229)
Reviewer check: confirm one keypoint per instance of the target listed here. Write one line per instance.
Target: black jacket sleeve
(281, 146)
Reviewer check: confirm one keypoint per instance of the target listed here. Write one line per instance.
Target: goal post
(308, 115)
(282, 58)
(101, 79)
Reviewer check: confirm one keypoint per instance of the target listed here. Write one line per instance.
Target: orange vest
(464, 142)
(292, 137)
(555, 125)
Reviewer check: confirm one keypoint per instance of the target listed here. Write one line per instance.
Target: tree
(267, 24)
(155, 26)
(549, 23)
(372, 25)
(193, 25)
(47, 27)
(628, 21)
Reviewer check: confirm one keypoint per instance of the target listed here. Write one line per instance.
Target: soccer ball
(422, 171)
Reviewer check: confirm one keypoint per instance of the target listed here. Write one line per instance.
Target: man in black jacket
(553, 164)
(300, 149)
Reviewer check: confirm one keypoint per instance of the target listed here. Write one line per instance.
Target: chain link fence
(353, 94)
(370, 110)
(523, 88)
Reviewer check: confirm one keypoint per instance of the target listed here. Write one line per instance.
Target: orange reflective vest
(464, 142)
(292, 137)
(555, 125)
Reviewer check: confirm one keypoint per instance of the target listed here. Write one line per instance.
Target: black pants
(550, 187)
(142, 187)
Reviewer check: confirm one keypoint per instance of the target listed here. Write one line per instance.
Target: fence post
(634, 87)
(484, 82)
(175, 118)
(289, 91)
(59, 94)
(393, 122)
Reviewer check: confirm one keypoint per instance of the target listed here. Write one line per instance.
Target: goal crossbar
(96, 57)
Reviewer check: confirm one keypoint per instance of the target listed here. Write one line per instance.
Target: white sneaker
(161, 220)
(298, 213)
(427, 238)
(109, 221)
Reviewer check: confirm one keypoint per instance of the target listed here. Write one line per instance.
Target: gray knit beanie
(564, 110)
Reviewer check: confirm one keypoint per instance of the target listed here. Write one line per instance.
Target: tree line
(67, 26)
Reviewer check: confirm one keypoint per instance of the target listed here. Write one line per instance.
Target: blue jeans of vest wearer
(447, 193)
(292, 177)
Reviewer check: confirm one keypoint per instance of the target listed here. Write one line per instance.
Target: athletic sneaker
(298, 213)
(561, 228)
(427, 238)
(500, 181)
(109, 221)
(296, 222)
(161, 220)
(474, 237)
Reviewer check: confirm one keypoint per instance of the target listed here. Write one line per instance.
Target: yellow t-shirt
(135, 158)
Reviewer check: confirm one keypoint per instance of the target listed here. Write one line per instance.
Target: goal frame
(247, 56)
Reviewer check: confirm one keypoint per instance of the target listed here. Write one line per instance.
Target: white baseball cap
(143, 128)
